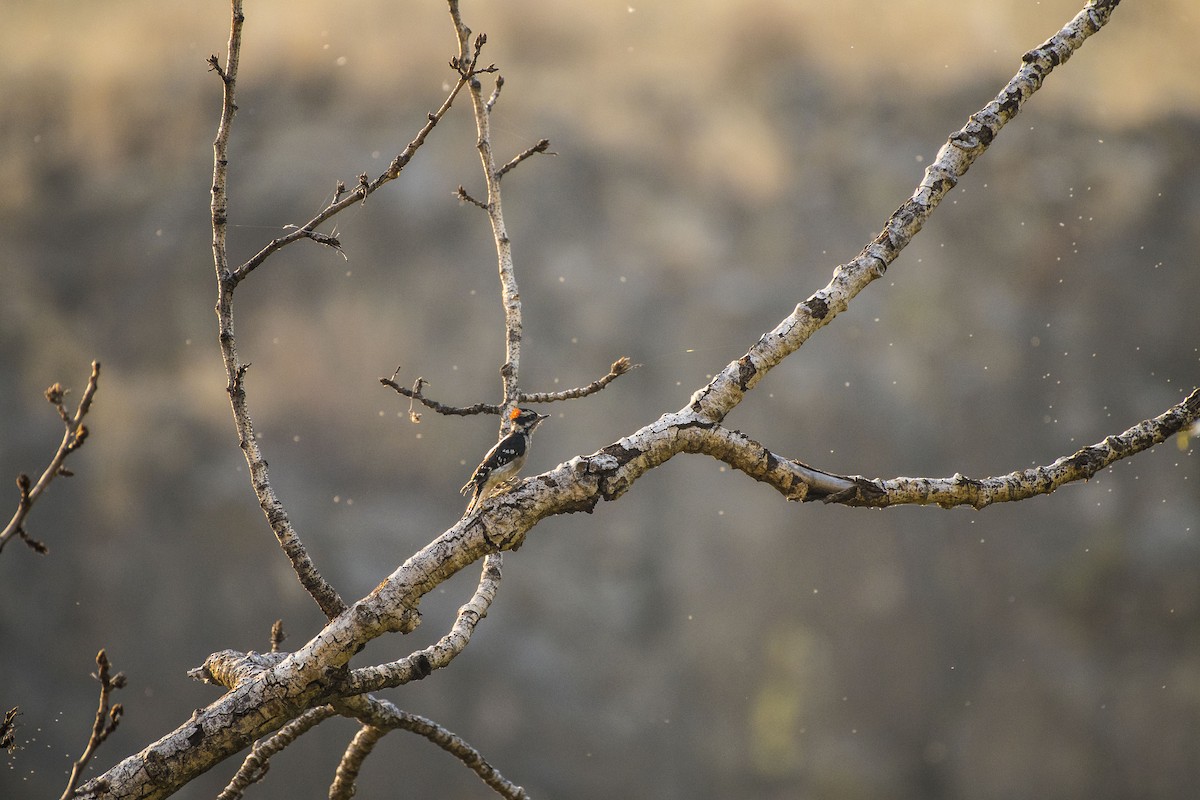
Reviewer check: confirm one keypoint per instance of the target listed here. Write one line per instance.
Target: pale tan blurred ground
(700, 638)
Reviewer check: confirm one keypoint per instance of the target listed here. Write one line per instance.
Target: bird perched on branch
(505, 459)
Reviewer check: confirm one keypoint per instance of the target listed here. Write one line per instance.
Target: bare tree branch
(798, 481)
(509, 295)
(346, 776)
(73, 438)
(1022, 484)
(256, 764)
(541, 147)
(364, 189)
(466, 64)
(379, 717)
(619, 367)
(326, 596)
(466, 67)
(107, 719)
(232, 669)
(727, 389)
(417, 393)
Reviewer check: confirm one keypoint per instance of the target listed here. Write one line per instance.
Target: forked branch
(228, 278)
(232, 670)
(379, 717)
(325, 595)
(359, 194)
(466, 63)
(254, 767)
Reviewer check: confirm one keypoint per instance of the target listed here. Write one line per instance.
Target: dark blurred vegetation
(700, 638)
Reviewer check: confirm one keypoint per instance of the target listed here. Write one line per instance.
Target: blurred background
(701, 638)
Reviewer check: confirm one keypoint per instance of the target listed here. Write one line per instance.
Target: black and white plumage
(506, 457)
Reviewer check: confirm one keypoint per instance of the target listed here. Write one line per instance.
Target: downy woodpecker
(505, 459)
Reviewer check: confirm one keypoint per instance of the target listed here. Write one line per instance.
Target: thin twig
(467, 69)
(441, 408)
(73, 438)
(364, 189)
(464, 196)
(540, 147)
(105, 723)
(495, 93)
(619, 367)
